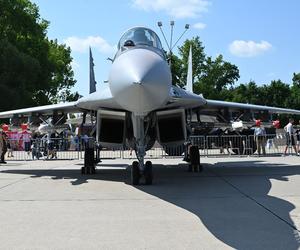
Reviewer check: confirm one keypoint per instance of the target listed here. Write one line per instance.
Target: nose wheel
(137, 174)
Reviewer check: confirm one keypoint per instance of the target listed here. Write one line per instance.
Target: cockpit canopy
(140, 36)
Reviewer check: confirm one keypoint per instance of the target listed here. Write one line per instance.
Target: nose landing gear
(139, 168)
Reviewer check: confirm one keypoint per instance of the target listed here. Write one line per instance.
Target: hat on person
(257, 122)
(276, 124)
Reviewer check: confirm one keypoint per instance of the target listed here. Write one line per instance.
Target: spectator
(77, 144)
(187, 146)
(35, 147)
(51, 145)
(289, 133)
(26, 137)
(260, 137)
(85, 140)
(3, 146)
(297, 132)
(9, 148)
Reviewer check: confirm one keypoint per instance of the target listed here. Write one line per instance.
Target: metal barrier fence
(64, 149)
(235, 145)
(209, 146)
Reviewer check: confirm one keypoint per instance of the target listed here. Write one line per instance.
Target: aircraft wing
(94, 101)
(47, 109)
(187, 99)
(216, 105)
(180, 98)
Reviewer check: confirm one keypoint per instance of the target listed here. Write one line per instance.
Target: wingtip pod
(189, 79)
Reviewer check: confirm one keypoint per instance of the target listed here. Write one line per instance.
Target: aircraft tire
(195, 159)
(148, 173)
(200, 168)
(135, 173)
(88, 170)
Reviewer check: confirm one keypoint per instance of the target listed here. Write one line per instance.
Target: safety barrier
(45, 149)
(209, 146)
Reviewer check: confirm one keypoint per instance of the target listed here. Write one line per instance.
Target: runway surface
(236, 203)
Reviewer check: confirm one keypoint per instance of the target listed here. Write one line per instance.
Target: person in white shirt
(260, 137)
(297, 133)
(290, 140)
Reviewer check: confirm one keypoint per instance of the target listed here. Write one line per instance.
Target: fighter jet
(138, 105)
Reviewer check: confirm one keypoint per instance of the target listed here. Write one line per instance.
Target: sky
(261, 37)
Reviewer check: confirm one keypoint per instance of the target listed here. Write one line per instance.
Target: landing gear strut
(139, 168)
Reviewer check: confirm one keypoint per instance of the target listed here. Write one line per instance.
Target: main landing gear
(194, 165)
(136, 174)
(89, 161)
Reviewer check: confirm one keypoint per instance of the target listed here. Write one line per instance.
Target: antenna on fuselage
(170, 45)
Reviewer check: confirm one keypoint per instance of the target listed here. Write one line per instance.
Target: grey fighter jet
(139, 105)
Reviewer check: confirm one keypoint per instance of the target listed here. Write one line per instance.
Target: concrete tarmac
(235, 203)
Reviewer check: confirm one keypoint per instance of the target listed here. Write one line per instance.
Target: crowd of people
(47, 145)
(32, 144)
(291, 133)
(38, 145)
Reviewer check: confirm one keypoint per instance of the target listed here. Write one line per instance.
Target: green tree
(33, 70)
(211, 77)
(198, 58)
(277, 94)
(18, 72)
(62, 74)
(247, 93)
(216, 77)
(176, 69)
(294, 100)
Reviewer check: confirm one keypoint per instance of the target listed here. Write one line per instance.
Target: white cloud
(199, 26)
(82, 44)
(242, 48)
(174, 8)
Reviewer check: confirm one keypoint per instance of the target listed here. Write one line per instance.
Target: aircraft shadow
(233, 202)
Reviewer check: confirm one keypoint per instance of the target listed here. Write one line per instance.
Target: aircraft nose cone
(140, 80)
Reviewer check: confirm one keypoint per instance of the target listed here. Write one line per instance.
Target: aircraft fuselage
(140, 80)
